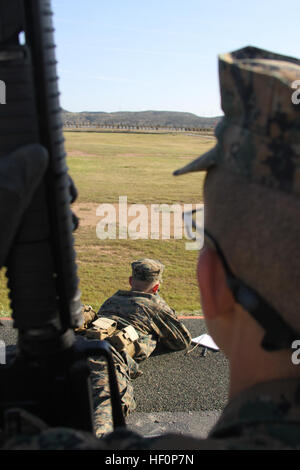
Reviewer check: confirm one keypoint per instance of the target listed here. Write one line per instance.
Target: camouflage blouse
(152, 318)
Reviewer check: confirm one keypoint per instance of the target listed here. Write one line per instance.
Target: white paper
(206, 341)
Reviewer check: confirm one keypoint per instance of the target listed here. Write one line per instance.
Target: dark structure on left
(49, 376)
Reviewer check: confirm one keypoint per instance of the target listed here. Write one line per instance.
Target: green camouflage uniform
(154, 321)
(102, 411)
(152, 318)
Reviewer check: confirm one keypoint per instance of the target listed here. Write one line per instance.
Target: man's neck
(247, 370)
(142, 291)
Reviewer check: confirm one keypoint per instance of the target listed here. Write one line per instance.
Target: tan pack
(101, 328)
(88, 315)
(125, 339)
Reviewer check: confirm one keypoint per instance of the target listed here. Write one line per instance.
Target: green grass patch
(139, 166)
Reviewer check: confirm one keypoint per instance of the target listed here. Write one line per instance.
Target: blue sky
(160, 54)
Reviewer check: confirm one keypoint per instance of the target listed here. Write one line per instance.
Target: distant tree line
(81, 124)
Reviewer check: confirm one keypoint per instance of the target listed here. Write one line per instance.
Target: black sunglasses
(278, 335)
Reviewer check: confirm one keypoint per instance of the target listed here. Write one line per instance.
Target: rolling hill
(139, 118)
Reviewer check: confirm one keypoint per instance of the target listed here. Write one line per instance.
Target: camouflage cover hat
(252, 186)
(259, 136)
(147, 270)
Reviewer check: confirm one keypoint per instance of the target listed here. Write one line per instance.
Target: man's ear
(130, 281)
(216, 296)
(155, 288)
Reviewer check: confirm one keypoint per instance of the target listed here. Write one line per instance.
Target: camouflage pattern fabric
(147, 270)
(154, 321)
(125, 370)
(89, 315)
(151, 316)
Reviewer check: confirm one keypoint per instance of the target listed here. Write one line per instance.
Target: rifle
(49, 377)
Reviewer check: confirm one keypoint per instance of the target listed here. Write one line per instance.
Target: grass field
(105, 166)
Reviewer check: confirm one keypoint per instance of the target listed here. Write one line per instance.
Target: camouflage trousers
(126, 369)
